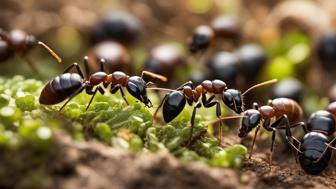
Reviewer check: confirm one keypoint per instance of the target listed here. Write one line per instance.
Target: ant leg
(102, 65)
(161, 103)
(117, 87)
(205, 100)
(192, 121)
(272, 145)
(254, 139)
(291, 142)
(93, 93)
(123, 95)
(329, 145)
(79, 71)
(72, 96)
(209, 103)
(218, 114)
(189, 83)
(86, 66)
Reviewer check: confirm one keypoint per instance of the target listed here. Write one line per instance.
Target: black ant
(19, 42)
(174, 101)
(315, 149)
(68, 85)
(120, 26)
(285, 111)
(202, 38)
(225, 27)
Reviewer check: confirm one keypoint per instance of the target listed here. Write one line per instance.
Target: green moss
(110, 120)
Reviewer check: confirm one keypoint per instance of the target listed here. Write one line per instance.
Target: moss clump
(24, 121)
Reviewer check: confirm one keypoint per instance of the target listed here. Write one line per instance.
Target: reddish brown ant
(68, 85)
(285, 111)
(174, 101)
(19, 42)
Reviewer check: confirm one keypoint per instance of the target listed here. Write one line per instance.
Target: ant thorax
(267, 112)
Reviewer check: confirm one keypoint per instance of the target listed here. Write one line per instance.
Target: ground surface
(96, 166)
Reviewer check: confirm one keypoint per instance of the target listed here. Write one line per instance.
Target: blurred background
(238, 41)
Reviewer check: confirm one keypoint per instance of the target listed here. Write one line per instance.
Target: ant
(174, 101)
(19, 42)
(115, 55)
(202, 38)
(285, 111)
(225, 27)
(68, 85)
(315, 149)
(120, 26)
(164, 59)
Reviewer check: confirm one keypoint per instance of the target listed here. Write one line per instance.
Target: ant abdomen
(173, 105)
(322, 121)
(60, 88)
(314, 159)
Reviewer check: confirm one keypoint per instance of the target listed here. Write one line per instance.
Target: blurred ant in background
(174, 102)
(17, 42)
(116, 57)
(68, 85)
(165, 59)
(285, 111)
(119, 26)
(222, 27)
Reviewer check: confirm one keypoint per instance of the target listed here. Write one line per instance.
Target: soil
(93, 165)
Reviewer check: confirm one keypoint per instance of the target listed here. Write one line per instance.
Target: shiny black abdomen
(313, 145)
(173, 105)
(60, 88)
(322, 121)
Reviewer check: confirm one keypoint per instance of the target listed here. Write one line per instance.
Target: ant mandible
(174, 101)
(19, 42)
(315, 149)
(286, 112)
(68, 85)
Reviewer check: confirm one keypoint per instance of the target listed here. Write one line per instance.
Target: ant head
(233, 99)
(136, 86)
(250, 120)
(321, 121)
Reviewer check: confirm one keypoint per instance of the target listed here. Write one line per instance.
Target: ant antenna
(86, 66)
(224, 118)
(154, 75)
(50, 51)
(102, 64)
(260, 85)
(160, 89)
